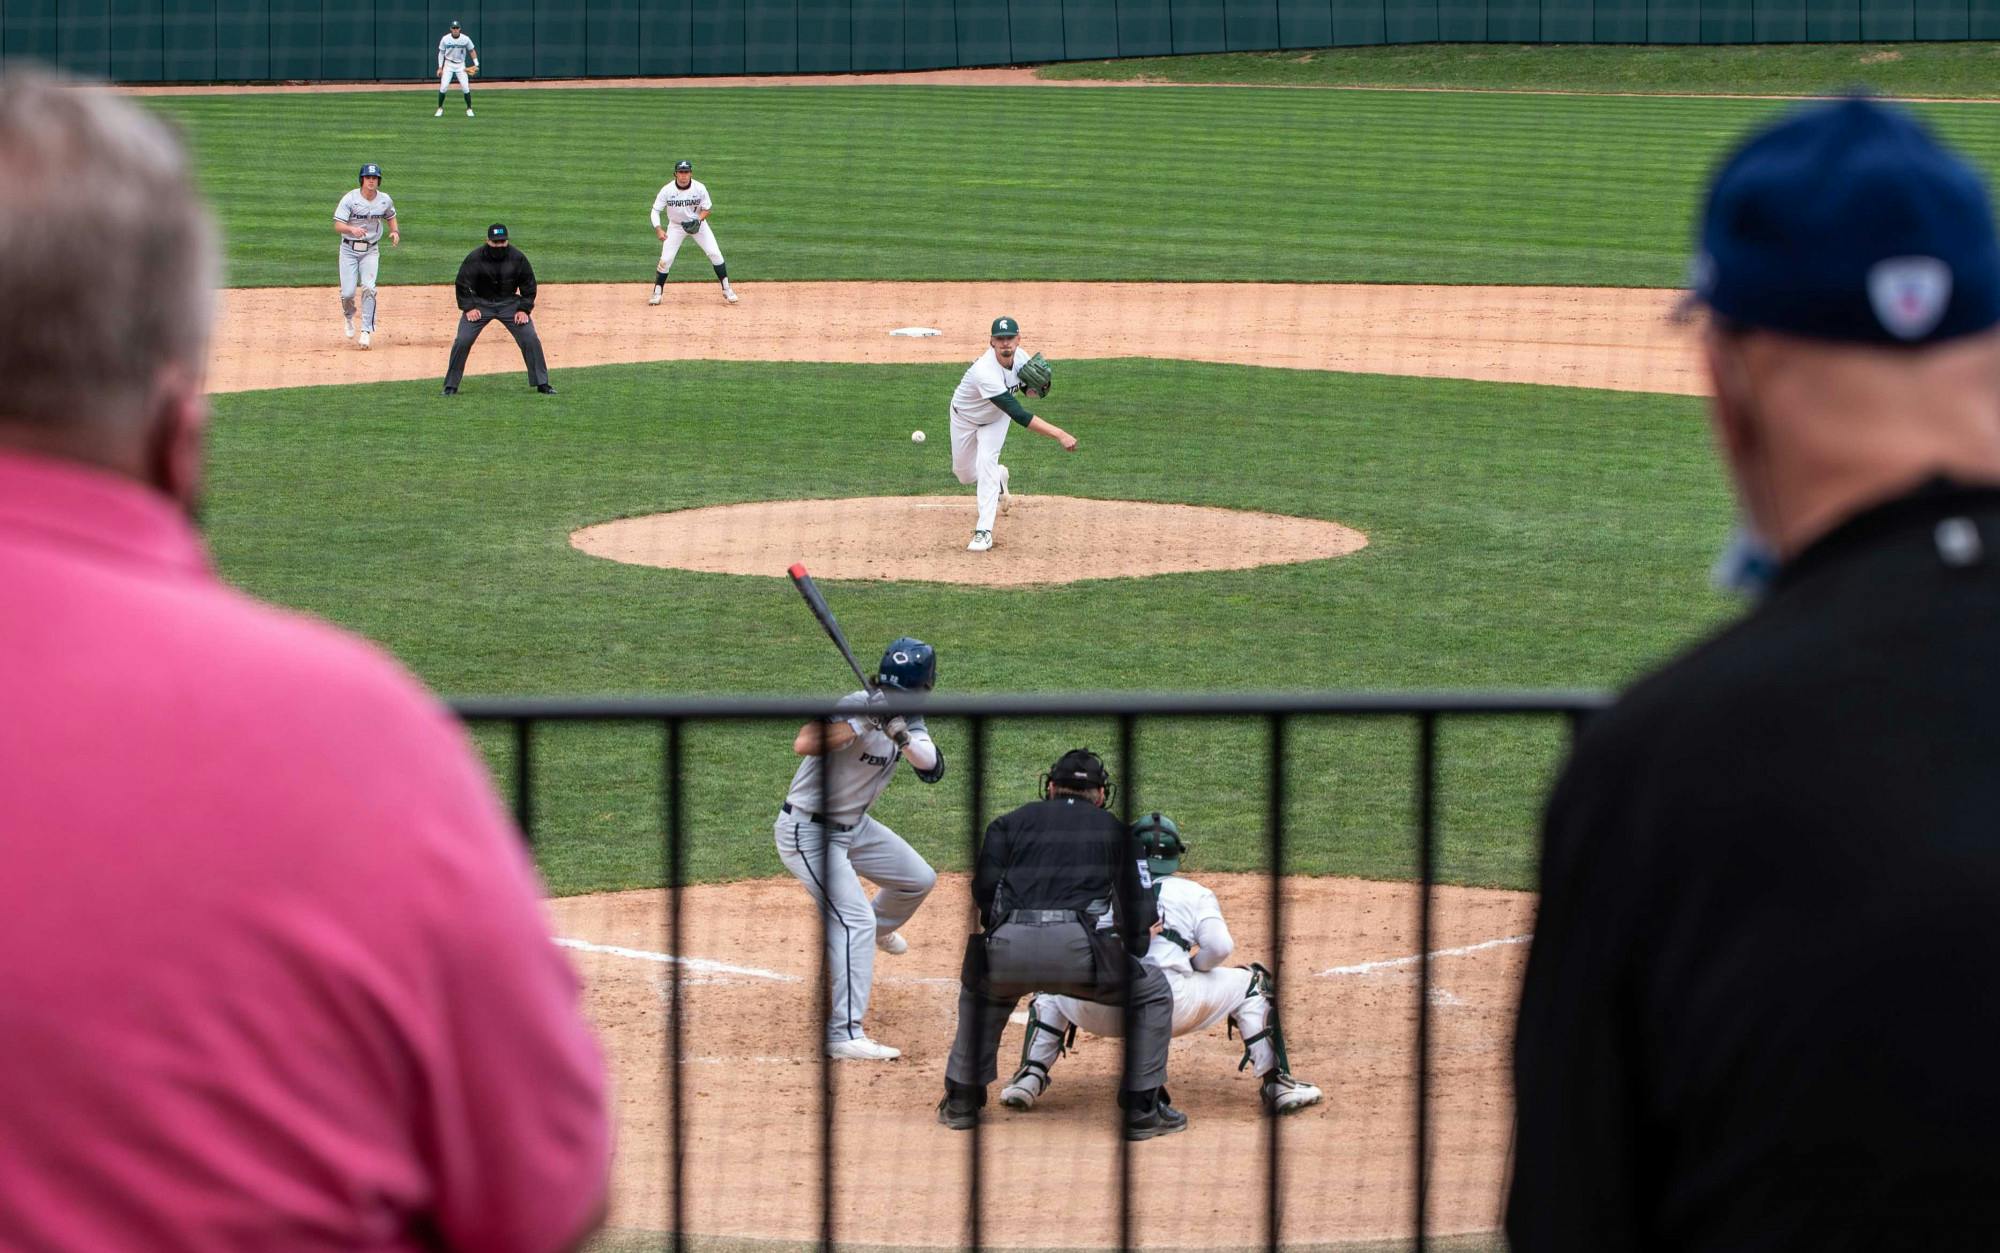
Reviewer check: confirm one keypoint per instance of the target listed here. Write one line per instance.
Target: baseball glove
(1037, 376)
(472, 71)
(692, 226)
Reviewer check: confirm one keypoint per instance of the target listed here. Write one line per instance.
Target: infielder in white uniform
(829, 843)
(358, 219)
(1189, 949)
(980, 410)
(687, 206)
(453, 51)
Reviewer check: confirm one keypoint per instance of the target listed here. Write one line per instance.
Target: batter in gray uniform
(829, 843)
(358, 219)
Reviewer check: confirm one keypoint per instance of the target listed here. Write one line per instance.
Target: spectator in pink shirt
(273, 971)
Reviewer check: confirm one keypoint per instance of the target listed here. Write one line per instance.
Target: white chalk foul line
(1391, 963)
(701, 964)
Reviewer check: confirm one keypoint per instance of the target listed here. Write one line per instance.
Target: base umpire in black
(1047, 874)
(496, 284)
(1760, 1011)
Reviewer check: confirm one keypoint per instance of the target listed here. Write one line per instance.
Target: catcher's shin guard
(1265, 989)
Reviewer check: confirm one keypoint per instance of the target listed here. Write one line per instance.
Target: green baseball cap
(1005, 326)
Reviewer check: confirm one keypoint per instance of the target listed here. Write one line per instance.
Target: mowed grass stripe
(996, 184)
(1520, 537)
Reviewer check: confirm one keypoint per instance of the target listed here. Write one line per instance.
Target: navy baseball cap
(680, 166)
(1848, 221)
(1005, 326)
(496, 231)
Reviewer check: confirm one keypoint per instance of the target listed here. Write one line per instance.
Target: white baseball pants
(358, 270)
(453, 69)
(975, 458)
(831, 865)
(703, 238)
(1201, 1000)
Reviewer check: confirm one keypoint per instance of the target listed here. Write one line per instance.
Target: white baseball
(916, 437)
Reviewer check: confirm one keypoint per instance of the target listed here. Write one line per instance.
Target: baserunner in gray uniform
(359, 219)
(829, 842)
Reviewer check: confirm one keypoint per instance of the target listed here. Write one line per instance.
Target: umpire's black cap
(497, 232)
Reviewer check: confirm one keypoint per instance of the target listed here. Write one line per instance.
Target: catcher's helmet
(371, 170)
(908, 665)
(1079, 770)
(683, 167)
(1162, 841)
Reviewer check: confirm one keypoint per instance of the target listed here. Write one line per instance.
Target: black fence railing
(1277, 712)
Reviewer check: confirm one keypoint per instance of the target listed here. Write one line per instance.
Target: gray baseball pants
(524, 336)
(358, 270)
(831, 865)
(1022, 959)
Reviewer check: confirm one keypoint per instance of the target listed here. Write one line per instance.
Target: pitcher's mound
(1039, 539)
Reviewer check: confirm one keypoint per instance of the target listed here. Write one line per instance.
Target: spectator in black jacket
(1049, 874)
(496, 284)
(1759, 1012)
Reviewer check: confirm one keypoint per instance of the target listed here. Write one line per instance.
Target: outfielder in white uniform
(980, 410)
(1189, 949)
(687, 206)
(359, 219)
(829, 842)
(454, 50)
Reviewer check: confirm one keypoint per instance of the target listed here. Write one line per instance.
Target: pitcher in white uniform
(828, 841)
(980, 410)
(686, 204)
(359, 219)
(1189, 948)
(453, 52)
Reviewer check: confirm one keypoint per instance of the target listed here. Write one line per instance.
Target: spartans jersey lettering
(355, 207)
(453, 49)
(678, 203)
(856, 775)
(985, 379)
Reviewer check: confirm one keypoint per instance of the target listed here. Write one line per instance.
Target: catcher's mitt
(1037, 376)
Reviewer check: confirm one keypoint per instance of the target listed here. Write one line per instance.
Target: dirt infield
(1045, 539)
(751, 1071)
(1616, 338)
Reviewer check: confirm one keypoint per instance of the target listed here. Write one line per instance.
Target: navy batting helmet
(908, 665)
(371, 170)
(1161, 840)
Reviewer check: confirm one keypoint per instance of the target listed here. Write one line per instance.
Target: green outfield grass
(1520, 537)
(1953, 70)
(1004, 184)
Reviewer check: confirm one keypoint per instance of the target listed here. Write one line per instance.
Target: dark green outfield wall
(235, 40)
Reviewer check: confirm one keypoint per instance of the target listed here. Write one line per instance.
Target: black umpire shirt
(1064, 854)
(1762, 1008)
(491, 278)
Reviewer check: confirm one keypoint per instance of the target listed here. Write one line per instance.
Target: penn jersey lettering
(1184, 906)
(452, 50)
(372, 214)
(856, 775)
(985, 379)
(678, 203)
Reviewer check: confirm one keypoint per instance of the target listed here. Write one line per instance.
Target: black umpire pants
(524, 335)
(1019, 959)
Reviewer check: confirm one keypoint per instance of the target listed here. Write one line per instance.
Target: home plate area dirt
(751, 1071)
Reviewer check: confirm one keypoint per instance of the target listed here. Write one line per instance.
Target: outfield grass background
(1001, 184)
(1520, 537)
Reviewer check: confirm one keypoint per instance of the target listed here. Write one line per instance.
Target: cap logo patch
(1909, 294)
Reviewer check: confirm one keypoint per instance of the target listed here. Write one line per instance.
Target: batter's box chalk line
(1397, 963)
(916, 332)
(700, 965)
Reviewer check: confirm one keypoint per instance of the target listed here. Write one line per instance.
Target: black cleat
(546, 389)
(1158, 1119)
(451, 391)
(960, 1113)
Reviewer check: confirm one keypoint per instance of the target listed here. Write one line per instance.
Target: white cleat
(348, 322)
(1283, 1094)
(862, 1049)
(981, 541)
(892, 943)
(1021, 1091)
(468, 113)
(1006, 496)
(654, 298)
(365, 336)
(440, 112)
(729, 294)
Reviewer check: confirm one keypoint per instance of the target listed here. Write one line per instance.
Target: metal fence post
(676, 868)
(1426, 876)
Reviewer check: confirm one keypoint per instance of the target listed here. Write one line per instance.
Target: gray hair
(107, 259)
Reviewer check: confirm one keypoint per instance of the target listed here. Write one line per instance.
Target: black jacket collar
(1930, 502)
